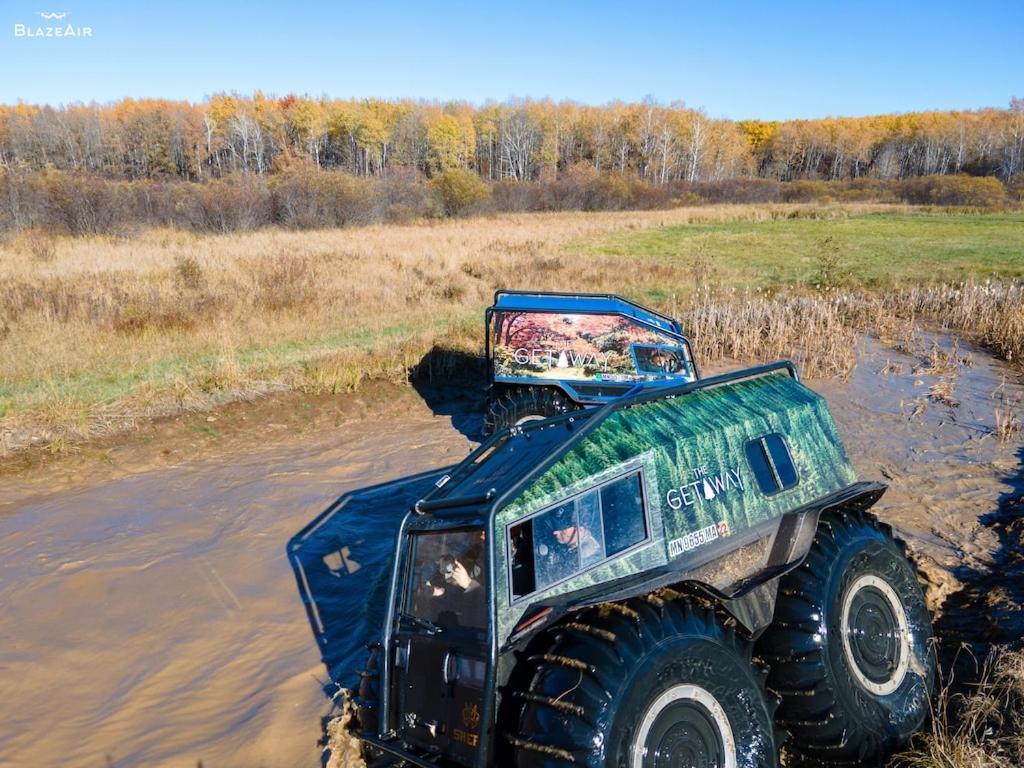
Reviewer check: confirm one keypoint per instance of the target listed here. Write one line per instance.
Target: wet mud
(151, 615)
(153, 619)
(924, 422)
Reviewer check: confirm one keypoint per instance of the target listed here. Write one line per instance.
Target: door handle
(402, 656)
(449, 668)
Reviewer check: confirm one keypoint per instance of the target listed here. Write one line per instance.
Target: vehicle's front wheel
(366, 702)
(850, 648)
(641, 684)
(522, 405)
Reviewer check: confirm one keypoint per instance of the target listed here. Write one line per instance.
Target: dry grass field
(97, 333)
(981, 726)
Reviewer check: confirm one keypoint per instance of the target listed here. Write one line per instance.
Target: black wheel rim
(874, 635)
(685, 735)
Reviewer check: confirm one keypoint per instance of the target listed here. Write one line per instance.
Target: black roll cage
(571, 295)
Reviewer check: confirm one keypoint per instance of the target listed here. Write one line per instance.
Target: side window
(622, 507)
(556, 544)
(520, 539)
(575, 535)
(772, 464)
(660, 360)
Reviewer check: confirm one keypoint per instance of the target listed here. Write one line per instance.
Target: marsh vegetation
(99, 332)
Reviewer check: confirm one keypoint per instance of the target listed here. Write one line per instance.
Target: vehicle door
(441, 644)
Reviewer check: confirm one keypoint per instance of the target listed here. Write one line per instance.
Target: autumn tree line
(235, 162)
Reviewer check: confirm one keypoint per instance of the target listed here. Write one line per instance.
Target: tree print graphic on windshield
(585, 347)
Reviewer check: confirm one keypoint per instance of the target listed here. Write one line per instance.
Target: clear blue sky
(764, 59)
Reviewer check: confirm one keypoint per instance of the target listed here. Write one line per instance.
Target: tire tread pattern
(513, 404)
(822, 730)
(585, 662)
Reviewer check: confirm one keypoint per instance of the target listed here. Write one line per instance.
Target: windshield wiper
(425, 624)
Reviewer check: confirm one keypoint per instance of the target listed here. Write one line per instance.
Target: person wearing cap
(570, 545)
(578, 537)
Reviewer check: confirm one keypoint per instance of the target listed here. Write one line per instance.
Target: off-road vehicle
(548, 353)
(684, 576)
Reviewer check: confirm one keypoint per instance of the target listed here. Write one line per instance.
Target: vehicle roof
(541, 301)
(489, 476)
(501, 463)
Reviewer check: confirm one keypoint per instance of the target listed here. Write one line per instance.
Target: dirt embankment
(151, 617)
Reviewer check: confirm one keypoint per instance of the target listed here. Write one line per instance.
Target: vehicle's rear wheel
(850, 648)
(647, 683)
(524, 404)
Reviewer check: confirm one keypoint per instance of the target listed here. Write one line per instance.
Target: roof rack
(644, 394)
(671, 321)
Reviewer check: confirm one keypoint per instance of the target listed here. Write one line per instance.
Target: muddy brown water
(152, 618)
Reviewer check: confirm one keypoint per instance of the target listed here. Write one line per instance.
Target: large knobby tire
(524, 404)
(648, 683)
(850, 649)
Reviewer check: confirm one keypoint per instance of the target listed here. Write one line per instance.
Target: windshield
(446, 580)
(580, 346)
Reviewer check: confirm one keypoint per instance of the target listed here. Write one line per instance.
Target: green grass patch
(875, 250)
(261, 360)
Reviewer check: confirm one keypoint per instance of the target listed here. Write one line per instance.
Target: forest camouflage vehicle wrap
(698, 487)
(713, 491)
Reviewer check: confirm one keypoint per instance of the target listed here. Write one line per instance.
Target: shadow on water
(342, 559)
(342, 566)
(453, 383)
(988, 610)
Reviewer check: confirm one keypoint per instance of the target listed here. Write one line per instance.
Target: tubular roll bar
(648, 393)
(639, 394)
(423, 506)
(384, 703)
(589, 417)
(570, 295)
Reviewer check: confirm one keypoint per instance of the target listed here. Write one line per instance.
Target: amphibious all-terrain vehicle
(548, 353)
(684, 576)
